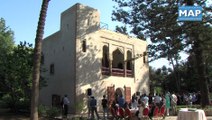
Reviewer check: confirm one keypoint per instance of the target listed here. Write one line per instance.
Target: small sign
(190, 13)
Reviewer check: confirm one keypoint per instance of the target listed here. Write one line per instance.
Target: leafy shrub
(52, 112)
(48, 112)
(42, 110)
(16, 104)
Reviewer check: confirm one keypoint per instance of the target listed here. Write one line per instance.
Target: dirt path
(6, 115)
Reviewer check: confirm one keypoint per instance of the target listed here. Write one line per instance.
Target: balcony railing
(129, 73)
(117, 72)
(105, 71)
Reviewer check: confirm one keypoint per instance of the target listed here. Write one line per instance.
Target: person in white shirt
(174, 103)
(134, 104)
(157, 100)
(65, 105)
(141, 108)
(146, 100)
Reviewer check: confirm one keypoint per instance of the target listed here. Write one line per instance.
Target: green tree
(17, 77)
(208, 58)
(159, 78)
(6, 46)
(198, 37)
(157, 20)
(37, 59)
(6, 38)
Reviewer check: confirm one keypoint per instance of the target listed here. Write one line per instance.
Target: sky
(22, 17)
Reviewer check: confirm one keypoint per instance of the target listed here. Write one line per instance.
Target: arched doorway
(114, 93)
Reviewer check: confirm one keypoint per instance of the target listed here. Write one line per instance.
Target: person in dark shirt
(93, 104)
(121, 101)
(105, 107)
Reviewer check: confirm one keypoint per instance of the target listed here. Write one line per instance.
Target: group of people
(92, 107)
(137, 104)
(91, 104)
(188, 98)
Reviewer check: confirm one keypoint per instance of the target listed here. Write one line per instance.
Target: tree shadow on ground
(6, 114)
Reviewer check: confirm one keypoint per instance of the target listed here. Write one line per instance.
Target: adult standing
(141, 108)
(93, 104)
(174, 103)
(65, 105)
(89, 107)
(105, 107)
(167, 96)
(134, 104)
(157, 100)
(163, 100)
(146, 100)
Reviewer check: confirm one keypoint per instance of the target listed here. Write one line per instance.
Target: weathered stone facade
(81, 56)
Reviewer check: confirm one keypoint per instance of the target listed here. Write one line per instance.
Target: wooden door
(111, 94)
(56, 100)
(127, 93)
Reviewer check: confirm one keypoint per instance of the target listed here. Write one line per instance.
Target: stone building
(83, 59)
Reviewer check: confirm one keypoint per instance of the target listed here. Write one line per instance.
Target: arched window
(105, 60)
(129, 60)
(129, 64)
(118, 59)
(118, 63)
(105, 56)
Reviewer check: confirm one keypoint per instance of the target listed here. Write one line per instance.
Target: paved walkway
(4, 115)
(20, 117)
(175, 118)
(167, 117)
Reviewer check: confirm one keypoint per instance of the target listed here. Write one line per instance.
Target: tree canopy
(17, 77)
(16, 63)
(6, 44)
(157, 20)
(6, 37)
(15, 70)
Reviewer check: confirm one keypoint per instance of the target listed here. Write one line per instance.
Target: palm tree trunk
(36, 62)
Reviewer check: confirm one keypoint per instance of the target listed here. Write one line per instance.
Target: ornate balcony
(117, 72)
(105, 71)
